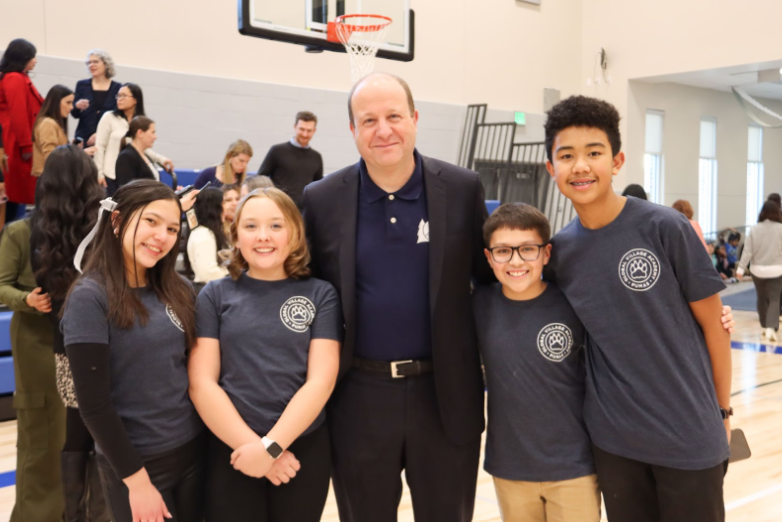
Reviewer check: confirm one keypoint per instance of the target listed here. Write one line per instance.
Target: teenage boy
(658, 363)
(532, 343)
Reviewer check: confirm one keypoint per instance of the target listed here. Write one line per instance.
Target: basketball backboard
(304, 22)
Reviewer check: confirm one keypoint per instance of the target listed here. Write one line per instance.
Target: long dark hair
(16, 56)
(51, 107)
(135, 90)
(770, 211)
(106, 263)
(209, 211)
(66, 203)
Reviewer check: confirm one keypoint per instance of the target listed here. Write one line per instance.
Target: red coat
(20, 103)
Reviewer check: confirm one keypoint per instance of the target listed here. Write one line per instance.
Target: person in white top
(763, 255)
(113, 126)
(207, 238)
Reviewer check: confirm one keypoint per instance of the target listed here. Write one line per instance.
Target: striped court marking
(7, 479)
(752, 498)
(756, 347)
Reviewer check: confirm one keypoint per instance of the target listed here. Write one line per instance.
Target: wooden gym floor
(752, 487)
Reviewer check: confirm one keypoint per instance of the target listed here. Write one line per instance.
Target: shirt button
(393, 220)
(391, 197)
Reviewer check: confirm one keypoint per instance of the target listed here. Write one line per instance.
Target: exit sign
(520, 118)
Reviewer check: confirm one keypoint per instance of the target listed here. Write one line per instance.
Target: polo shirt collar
(411, 190)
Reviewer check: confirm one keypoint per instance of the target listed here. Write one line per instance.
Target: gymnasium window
(653, 156)
(707, 176)
(754, 173)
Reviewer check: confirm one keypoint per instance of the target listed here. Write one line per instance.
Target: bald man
(400, 237)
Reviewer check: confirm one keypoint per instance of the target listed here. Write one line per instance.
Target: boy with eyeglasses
(532, 344)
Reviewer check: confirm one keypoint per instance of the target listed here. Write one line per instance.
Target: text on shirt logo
(639, 269)
(174, 319)
(555, 342)
(423, 232)
(297, 313)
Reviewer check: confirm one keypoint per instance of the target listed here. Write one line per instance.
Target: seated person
(206, 239)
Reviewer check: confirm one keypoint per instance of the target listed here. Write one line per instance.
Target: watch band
(726, 413)
(272, 448)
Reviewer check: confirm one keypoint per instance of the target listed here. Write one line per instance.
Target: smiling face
(66, 105)
(149, 236)
(125, 99)
(583, 165)
(230, 202)
(305, 130)
(384, 130)
(520, 278)
(263, 236)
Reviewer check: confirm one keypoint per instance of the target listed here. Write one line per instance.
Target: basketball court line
(756, 347)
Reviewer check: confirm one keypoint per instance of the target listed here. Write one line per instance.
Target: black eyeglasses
(120, 96)
(503, 254)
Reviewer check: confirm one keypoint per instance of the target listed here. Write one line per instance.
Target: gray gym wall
(198, 116)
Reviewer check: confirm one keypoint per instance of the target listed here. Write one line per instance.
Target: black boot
(74, 474)
(95, 501)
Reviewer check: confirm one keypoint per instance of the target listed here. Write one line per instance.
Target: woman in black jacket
(132, 163)
(95, 96)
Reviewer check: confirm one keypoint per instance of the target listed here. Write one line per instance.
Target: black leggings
(177, 474)
(232, 495)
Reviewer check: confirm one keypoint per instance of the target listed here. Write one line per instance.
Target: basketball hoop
(361, 34)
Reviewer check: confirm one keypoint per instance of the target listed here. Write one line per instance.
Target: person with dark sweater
(95, 96)
(132, 162)
(231, 171)
(294, 164)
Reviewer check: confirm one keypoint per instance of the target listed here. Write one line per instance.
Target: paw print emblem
(297, 313)
(555, 342)
(639, 269)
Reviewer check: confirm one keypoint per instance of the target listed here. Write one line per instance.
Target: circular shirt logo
(174, 319)
(555, 342)
(297, 313)
(639, 269)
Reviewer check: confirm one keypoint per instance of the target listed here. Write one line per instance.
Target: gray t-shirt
(650, 391)
(148, 365)
(533, 355)
(265, 329)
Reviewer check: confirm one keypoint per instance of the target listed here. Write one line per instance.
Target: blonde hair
(236, 148)
(296, 264)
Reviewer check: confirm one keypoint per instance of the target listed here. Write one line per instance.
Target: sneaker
(762, 333)
(732, 280)
(771, 335)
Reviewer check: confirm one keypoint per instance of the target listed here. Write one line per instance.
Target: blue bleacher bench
(7, 383)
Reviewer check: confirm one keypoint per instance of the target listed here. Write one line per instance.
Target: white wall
(646, 39)
(503, 53)
(684, 106)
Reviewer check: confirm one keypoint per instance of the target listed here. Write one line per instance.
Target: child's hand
(283, 469)
(727, 319)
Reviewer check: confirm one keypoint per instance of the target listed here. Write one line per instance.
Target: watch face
(274, 450)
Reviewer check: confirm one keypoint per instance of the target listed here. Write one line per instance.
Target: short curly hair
(107, 60)
(582, 111)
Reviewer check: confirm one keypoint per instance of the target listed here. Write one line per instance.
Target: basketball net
(361, 35)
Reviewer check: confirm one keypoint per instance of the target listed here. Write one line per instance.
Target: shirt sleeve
(102, 142)
(203, 257)
(328, 323)
(85, 319)
(10, 270)
(90, 366)
(155, 157)
(746, 254)
(691, 264)
(19, 119)
(124, 170)
(207, 313)
(78, 95)
(268, 165)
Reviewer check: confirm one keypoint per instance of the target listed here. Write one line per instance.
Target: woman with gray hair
(94, 97)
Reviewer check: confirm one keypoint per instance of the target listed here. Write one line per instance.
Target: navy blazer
(457, 212)
(89, 117)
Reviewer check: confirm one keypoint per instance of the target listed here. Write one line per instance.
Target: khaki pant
(574, 500)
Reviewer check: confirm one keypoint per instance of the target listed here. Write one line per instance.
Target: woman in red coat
(20, 103)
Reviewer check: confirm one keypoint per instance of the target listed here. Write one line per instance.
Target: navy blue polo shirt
(392, 270)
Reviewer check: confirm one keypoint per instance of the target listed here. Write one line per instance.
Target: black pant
(768, 292)
(638, 492)
(380, 426)
(232, 495)
(177, 474)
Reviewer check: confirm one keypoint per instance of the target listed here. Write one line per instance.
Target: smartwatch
(272, 448)
(726, 413)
